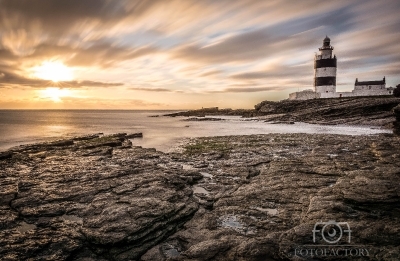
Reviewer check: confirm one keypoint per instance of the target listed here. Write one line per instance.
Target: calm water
(29, 126)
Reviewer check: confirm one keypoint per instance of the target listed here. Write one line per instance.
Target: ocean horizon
(18, 127)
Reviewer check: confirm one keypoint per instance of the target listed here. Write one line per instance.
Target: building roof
(370, 83)
(357, 83)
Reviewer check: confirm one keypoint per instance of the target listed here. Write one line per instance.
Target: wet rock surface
(268, 192)
(253, 197)
(90, 199)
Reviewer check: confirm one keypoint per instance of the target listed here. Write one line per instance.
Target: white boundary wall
(304, 95)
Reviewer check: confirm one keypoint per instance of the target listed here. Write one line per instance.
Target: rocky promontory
(213, 111)
(372, 111)
(255, 197)
(396, 124)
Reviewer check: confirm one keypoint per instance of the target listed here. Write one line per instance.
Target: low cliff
(376, 111)
(396, 124)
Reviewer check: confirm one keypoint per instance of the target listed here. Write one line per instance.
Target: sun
(54, 94)
(54, 71)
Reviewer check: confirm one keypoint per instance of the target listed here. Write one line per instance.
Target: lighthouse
(325, 70)
(325, 66)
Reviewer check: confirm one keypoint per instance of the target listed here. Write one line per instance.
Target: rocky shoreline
(253, 197)
(371, 111)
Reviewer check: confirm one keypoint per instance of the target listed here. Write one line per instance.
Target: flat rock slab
(269, 191)
(92, 198)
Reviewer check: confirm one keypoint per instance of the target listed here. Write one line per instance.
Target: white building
(370, 87)
(325, 68)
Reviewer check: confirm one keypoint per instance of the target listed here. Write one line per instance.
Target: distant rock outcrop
(351, 110)
(372, 111)
(203, 119)
(211, 112)
(396, 124)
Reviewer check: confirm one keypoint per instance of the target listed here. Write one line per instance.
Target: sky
(186, 54)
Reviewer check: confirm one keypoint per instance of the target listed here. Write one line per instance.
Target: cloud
(52, 14)
(7, 79)
(86, 83)
(277, 39)
(285, 73)
(234, 88)
(276, 72)
(210, 73)
(6, 55)
(109, 103)
(247, 89)
(106, 55)
(243, 46)
(101, 54)
(78, 103)
(246, 46)
(150, 89)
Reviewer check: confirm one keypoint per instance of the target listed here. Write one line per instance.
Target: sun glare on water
(54, 71)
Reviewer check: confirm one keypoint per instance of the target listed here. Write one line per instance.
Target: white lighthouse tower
(325, 66)
(325, 70)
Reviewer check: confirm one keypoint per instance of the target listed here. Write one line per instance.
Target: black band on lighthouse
(321, 81)
(325, 63)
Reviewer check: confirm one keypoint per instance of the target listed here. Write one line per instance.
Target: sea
(19, 127)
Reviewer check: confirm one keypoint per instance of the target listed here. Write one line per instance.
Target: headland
(370, 110)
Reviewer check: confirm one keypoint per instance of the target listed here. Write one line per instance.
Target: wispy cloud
(7, 79)
(150, 89)
(246, 89)
(189, 51)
